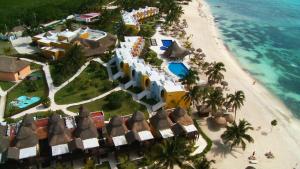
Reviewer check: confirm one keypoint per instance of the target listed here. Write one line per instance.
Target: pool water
(179, 69)
(167, 43)
(24, 101)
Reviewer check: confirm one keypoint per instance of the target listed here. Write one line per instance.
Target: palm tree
(193, 95)
(214, 100)
(171, 153)
(191, 78)
(236, 134)
(214, 73)
(125, 162)
(236, 101)
(273, 123)
(203, 163)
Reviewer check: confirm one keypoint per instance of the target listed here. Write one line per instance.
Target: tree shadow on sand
(222, 150)
(212, 126)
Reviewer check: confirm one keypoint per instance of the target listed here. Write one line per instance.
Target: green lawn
(104, 165)
(25, 89)
(92, 82)
(128, 106)
(6, 44)
(34, 66)
(5, 85)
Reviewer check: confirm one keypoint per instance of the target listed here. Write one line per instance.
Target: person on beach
(254, 82)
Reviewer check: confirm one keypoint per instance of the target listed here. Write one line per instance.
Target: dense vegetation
(63, 69)
(34, 12)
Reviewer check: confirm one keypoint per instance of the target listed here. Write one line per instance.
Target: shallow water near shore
(265, 38)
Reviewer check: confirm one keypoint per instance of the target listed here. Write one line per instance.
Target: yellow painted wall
(126, 69)
(175, 99)
(43, 44)
(84, 35)
(143, 81)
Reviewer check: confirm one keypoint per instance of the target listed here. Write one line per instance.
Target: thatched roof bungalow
(86, 134)
(26, 140)
(140, 129)
(162, 124)
(58, 136)
(184, 123)
(116, 131)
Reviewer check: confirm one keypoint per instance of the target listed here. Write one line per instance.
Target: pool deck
(158, 37)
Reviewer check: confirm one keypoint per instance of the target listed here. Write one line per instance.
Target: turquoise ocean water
(264, 36)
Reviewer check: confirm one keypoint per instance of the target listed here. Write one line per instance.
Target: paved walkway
(2, 103)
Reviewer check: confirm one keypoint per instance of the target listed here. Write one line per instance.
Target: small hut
(175, 51)
(86, 133)
(184, 123)
(58, 135)
(26, 141)
(162, 124)
(116, 131)
(140, 129)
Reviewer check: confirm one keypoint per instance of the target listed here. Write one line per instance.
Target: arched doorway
(163, 94)
(147, 83)
(133, 73)
(121, 64)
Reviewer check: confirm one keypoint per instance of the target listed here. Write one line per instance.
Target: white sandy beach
(260, 108)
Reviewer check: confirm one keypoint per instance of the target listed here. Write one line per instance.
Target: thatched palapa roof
(86, 128)
(26, 137)
(12, 64)
(160, 120)
(137, 122)
(175, 51)
(181, 117)
(116, 127)
(57, 131)
(28, 121)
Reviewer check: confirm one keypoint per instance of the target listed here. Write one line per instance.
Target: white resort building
(156, 84)
(132, 18)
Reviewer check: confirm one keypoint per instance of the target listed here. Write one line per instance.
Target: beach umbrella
(224, 83)
(221, 121)
(202, 55)
(192, 49)
(199, 50)
(229, 118)
(250, 167)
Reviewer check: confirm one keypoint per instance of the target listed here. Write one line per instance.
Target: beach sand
(260, 107)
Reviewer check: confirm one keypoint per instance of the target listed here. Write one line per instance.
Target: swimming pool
(166, 44)
(179, 69)
(24, 101)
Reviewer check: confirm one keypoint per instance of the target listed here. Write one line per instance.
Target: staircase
(158, 106)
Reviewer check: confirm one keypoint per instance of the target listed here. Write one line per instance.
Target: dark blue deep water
(264, 35)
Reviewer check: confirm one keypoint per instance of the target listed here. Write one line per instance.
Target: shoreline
(261, 106)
